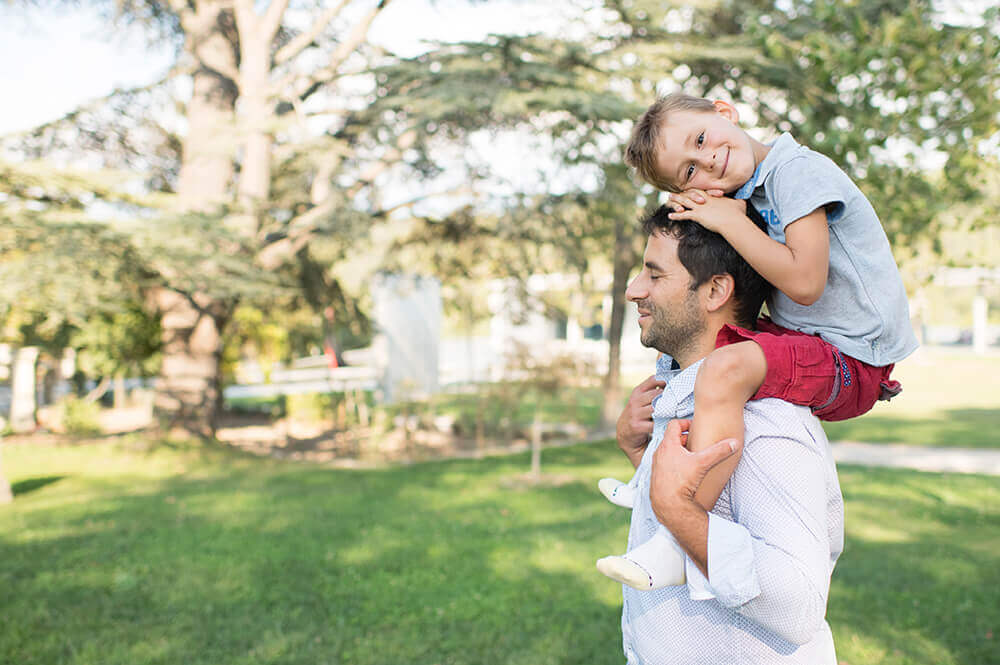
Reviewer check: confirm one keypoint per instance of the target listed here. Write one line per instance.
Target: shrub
(80, 417)
(309, 407)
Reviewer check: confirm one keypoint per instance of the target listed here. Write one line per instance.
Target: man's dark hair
(705, 253)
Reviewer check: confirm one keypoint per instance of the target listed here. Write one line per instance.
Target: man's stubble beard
(672, 335)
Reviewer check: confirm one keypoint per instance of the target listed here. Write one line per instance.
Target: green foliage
(875, 86)
(121, 342)
(80, 417)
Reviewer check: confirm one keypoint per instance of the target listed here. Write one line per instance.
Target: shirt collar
(679, 388)
(776, 155)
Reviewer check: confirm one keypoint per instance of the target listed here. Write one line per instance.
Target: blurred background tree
(260, 184)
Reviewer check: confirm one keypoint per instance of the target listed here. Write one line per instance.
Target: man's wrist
(673, 509)
(632, 451)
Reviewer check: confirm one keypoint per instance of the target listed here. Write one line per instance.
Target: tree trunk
(120, 391)
(255, 116)
(624, 259)
(6, 495)
(206, 171)
(23, 403)
(536, 447)
(188, 392)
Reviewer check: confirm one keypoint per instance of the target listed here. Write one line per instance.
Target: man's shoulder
(776, 418)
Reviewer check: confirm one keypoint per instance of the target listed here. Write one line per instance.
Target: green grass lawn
(950, 398)
(115, 553)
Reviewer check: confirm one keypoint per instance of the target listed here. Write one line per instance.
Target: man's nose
(633, 291)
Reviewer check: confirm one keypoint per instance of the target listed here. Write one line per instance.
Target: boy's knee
(734, 372)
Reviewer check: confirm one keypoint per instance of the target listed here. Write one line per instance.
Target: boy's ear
(720, 291)
(727, 111)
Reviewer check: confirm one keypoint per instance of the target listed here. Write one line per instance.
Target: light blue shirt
(773, 539)
(863, 310)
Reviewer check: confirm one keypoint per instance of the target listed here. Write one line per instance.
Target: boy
(839, 318)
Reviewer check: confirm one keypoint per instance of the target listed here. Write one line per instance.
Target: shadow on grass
(918, 579)
(29, 485)
(957, 428)
(279, 563)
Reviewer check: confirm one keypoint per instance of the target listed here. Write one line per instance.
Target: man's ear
(727, 111)
(719, 292)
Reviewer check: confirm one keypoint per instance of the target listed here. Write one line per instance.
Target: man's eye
(701, 139)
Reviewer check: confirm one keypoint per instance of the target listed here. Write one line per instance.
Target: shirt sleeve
(805, 183)
(772, 563)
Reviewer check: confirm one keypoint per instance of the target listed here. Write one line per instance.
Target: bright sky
(67, 57)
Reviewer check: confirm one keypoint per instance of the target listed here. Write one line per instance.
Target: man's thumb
(718, 452)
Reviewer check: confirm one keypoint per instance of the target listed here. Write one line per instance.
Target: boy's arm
(797, 268)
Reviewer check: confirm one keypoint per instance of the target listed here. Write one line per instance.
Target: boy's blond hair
(640, 153)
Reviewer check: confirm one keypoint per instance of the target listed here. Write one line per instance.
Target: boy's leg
(727, 379)
(657, 563)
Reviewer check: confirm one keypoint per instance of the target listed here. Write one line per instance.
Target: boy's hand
(681, 201)
(715, 213)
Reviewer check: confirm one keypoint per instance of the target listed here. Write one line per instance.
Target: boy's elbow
(805, 298)
(808, 293)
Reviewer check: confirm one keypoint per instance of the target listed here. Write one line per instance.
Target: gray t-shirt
(863, 310)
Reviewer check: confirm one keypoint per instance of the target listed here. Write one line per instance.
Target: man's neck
(699, 347)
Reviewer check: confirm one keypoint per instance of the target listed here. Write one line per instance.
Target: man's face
(705, 150)
(670, 314)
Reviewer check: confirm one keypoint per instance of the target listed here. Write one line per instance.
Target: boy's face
(705, 150)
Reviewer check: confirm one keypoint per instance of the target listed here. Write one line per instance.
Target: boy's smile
(707, 150)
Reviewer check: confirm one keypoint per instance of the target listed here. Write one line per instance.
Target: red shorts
(804, 369)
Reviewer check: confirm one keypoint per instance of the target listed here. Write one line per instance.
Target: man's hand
(714, 212)
(677, 472)
(635, 424)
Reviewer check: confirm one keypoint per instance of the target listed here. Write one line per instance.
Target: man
(758, 565)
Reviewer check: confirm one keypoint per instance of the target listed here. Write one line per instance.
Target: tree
(6, 494)
(254, 188)
(259, 196)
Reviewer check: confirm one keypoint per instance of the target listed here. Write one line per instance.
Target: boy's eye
(701, 139)
(690, 171)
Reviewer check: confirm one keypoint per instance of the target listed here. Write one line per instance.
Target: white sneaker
(657, 563)
(617, 492)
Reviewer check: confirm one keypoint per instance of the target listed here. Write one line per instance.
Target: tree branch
(299, 44)
(301, 229)
(182, 9)
(460, 189)
(391, 157)
(346, 47)
(272, 18)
